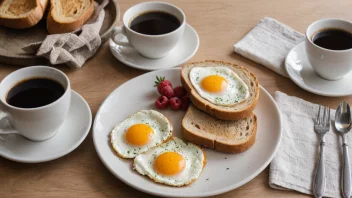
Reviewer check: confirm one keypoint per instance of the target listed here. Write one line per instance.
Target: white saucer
(70, 135)
(300, 72)
(183, 51)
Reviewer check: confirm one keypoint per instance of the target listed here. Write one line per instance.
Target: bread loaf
(68, 15)
(21, 13)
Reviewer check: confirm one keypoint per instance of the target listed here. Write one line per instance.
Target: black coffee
(35, 92)
(155, 23)
(333, 39)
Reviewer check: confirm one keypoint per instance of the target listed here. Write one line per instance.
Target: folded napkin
(71, 48)
(293, 167)
(268, 43)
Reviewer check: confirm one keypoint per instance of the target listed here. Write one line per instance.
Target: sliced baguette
(224, 136)
(68, 15)
(21, 13)
(234, 112)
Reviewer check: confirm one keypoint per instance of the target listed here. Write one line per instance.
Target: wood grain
(219, 23)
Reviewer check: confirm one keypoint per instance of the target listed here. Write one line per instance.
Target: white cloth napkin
(293, 167)
(268, 43)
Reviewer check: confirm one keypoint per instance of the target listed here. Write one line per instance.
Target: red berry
(161, 82)
(180, 91)
(185, 102)
(167, 91)
(175, 103)
(161, 102)
(166, 82)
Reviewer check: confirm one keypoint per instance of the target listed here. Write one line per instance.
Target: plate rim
(216, 192)
(302, 85)
(111, 43)
(72, 148)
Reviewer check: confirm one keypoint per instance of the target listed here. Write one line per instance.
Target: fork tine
(323, 121)
(317, 120)
(328, 121)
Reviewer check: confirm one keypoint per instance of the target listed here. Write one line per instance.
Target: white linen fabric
(293, 167)
(268, 43)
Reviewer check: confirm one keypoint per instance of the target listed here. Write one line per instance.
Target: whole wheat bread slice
(224, 136)
(21, 13)
(68, 15)
(233, 112)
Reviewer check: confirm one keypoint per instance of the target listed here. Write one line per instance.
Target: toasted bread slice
(224, 136)
(21, 13)
(232, 112)
(68, 15)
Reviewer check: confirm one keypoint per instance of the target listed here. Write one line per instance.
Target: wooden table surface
(219, 23)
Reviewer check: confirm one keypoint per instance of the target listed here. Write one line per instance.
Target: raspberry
(161, 82)
(180, 91)
(167, 91)
(161, 102)
(175, 103)
(185, 102)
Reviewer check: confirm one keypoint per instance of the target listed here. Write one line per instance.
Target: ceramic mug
(41, 123)
(149, 46)
(328, 64)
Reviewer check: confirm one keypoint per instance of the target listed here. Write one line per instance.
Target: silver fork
(321, 126)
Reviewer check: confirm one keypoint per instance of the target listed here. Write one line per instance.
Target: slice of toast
(233, 112)
(68, 15)
(21, 13)
(224, 136)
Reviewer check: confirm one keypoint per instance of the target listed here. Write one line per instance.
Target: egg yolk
(169, 163)
(139, 134)
(214, 83)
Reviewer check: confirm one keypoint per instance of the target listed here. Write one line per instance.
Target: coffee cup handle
(118, 35)
(7, 128)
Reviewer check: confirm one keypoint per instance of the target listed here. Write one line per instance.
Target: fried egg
(140, 132)
(174, 163)
(219, 85)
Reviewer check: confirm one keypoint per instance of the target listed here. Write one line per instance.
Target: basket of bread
(26, 22)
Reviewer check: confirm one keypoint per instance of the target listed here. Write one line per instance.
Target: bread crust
(28, 21)
(56, 27)
(216, 110)
(218, 145)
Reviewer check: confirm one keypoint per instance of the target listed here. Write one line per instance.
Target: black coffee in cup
(333, 39)
(34, 92)
(155, 23)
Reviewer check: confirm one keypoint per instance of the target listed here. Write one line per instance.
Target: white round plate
(70, 135)
(222, 172)
(183, 51)
(300, 72)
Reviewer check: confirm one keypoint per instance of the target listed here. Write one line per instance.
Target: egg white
(160, 124)
(235, 92)
(193, 155)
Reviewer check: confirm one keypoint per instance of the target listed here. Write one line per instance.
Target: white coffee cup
(41, 123)
(149, 46)
(328, 64)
